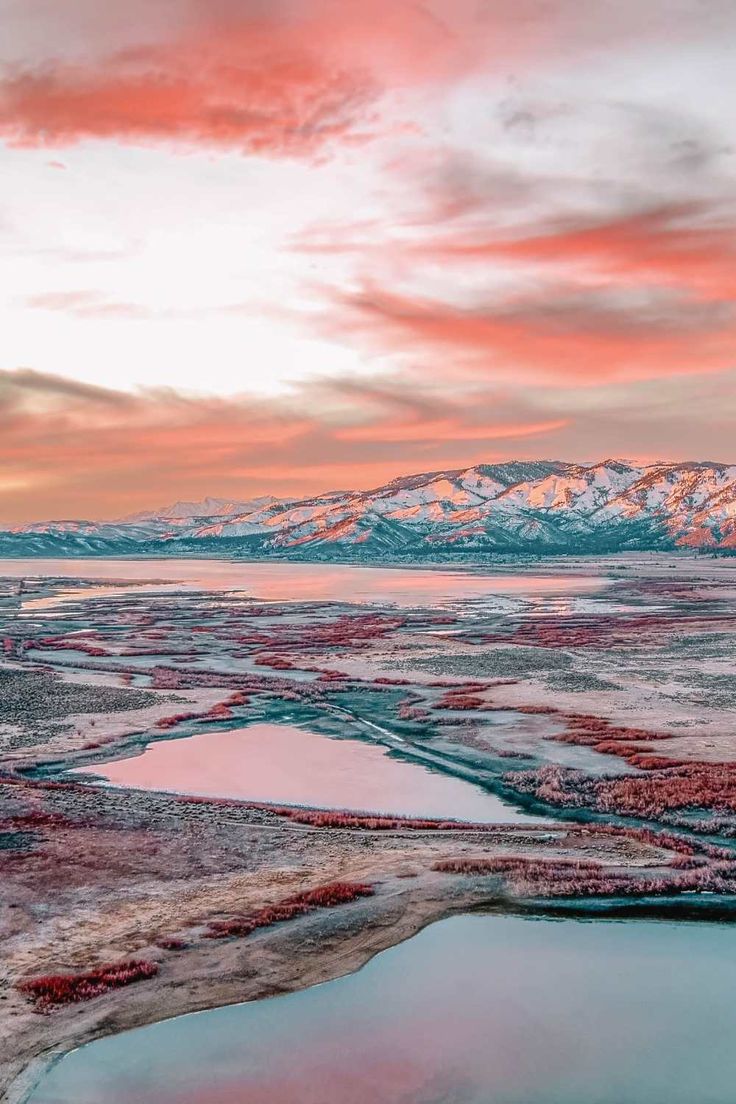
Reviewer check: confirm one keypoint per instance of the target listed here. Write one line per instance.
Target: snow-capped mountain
(207, 507)
(535, 506)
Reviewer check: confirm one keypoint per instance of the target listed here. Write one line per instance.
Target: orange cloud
(83, 450)
(446, 429)
(283, 77)
(279, 79)
(582, 338)
(69, 449)
(295, 109)
(675, 246)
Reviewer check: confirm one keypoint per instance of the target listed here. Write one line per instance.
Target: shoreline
(278, 961)
(314, 950)
(262, 859)
(97, 874)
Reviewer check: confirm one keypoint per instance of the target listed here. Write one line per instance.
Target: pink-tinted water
(286, 764)
(474, 1010)
(293, 582)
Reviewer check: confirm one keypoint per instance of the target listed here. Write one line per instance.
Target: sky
(288, 246)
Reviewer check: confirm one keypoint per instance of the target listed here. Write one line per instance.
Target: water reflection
(475, 1010)
(291, 765)
(290, 582)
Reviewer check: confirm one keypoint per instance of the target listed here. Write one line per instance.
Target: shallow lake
(297, 582)
(287, 764)
(473, 1010)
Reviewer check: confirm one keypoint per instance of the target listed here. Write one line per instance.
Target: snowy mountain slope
(207, 507)
(533, 506)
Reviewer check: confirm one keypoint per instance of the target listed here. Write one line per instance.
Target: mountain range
(541, 506)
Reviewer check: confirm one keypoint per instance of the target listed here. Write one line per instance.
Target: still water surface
(474, 1010)
(288, 764)
(297, 582)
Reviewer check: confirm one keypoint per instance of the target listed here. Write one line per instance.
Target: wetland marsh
(351, 755)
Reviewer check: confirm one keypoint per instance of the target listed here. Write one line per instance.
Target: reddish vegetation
(666, 840)
(60, 643)
(502, 865)
(221, 711)
(53, 990)
(276, 663)
(176, 719)
(326, 818)
(226, 802)
(582, 878)
(238, 698)
(408, 711)
(38, 818)
(327, 896)
(459, 700)
(170, 943)
(706, 786)
(602, 735)
(687, 862)
(338, 818)
(599, 630)
(354, 631)
(605, 737)
(328, 672)
(349, 632)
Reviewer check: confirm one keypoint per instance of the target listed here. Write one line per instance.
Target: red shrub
(511, 865)
(582, 878)
(238, 698)
(328, 818)
(59, 643)
(652, 796)
(40, 818)
(460, 701)
(276, 663)
(175, 719)
(219, 712)
(327, 896)
(407, 711)
(53, 990)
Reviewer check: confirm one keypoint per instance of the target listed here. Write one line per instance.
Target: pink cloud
(69, 449)
(282, 78)
(581, 337)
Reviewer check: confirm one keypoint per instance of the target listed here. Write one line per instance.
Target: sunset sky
(283, 246)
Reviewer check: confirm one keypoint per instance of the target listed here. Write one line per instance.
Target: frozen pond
(473, 1010)
(287, 764)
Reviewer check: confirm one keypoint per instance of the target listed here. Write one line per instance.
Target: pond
(473, 1010)
(288, 764)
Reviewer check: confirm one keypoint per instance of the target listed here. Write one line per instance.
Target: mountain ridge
(536, 506)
